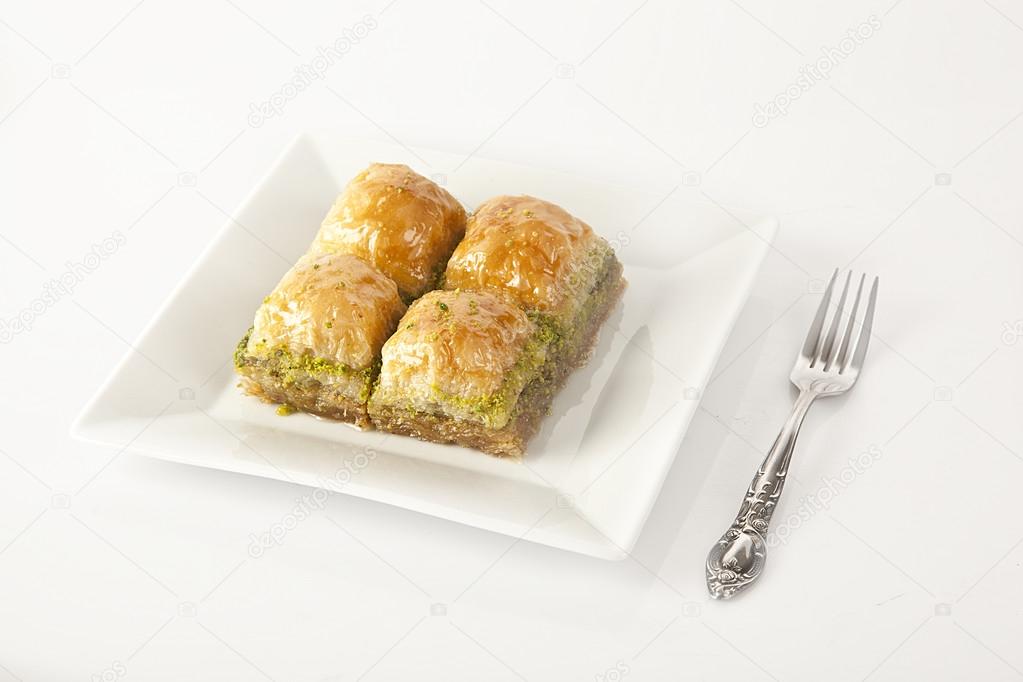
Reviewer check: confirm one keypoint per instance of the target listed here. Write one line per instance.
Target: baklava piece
(465, 368)
(404, 224)
(315, 343)
(566, 277)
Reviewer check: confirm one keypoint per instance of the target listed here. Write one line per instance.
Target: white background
(134, 117)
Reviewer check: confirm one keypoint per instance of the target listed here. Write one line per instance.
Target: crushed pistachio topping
(290, 368)
(496, 409)
(240, 350)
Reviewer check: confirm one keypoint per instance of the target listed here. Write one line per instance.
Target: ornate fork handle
(737, 559)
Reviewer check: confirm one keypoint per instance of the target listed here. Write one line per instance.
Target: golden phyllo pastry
(316, 339)
(401, 222)
(546, 259)
(463, 367)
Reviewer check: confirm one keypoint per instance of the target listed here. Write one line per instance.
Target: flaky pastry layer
(545, 258)
(460, 354)
(401, 222)
(316, 339)
(335, 307)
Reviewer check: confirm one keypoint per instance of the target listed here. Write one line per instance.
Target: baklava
(502, 306)
(464, 367)
(315, 342)
(401, 222)
(551, 264)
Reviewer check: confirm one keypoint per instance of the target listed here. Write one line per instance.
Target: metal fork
(823, 368)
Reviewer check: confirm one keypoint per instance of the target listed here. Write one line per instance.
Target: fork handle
(766, 486)
(738, 557)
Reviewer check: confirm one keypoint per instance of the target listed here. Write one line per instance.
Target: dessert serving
(404, 224)
(463, 367)
(501, 308)
(315, 343)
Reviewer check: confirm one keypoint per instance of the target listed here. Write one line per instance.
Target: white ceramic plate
(594, 471)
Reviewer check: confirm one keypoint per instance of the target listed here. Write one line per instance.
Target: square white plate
(594, 471)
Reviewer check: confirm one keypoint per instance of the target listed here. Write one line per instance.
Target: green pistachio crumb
(285, 409)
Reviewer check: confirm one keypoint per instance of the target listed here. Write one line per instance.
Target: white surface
(593, 471)
(910, 570)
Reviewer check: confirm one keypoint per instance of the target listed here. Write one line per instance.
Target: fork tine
(813, 336)
(868, 323)
(843, 355)
(829, 348)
